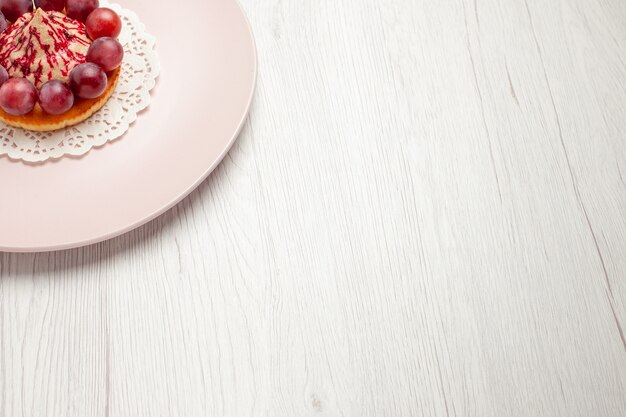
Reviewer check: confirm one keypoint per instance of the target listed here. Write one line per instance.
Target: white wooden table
(425, 216)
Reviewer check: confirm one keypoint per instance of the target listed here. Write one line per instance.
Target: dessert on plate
(59, 61)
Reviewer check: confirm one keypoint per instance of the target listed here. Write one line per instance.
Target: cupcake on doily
(74, 74)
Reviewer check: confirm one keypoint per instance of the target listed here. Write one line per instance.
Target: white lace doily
(140, 70)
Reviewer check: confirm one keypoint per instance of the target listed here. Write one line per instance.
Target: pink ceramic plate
(207, 80)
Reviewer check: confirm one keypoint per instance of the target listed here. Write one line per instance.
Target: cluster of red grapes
(18, 96)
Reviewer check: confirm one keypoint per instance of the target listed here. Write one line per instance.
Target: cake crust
(40, 121)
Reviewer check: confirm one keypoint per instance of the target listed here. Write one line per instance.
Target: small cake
(57, 71)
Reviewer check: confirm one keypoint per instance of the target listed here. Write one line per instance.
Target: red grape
(3, 23)
(51, 5)
(4, 75)
(18, 96)
(80, 9)
(103, 22)
(106, 52)
(55, 97)
(13, 9)
(88, 80)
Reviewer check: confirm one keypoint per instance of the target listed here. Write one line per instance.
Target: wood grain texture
(425, 216)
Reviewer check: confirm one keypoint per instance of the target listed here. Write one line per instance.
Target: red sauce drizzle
(62, 30)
